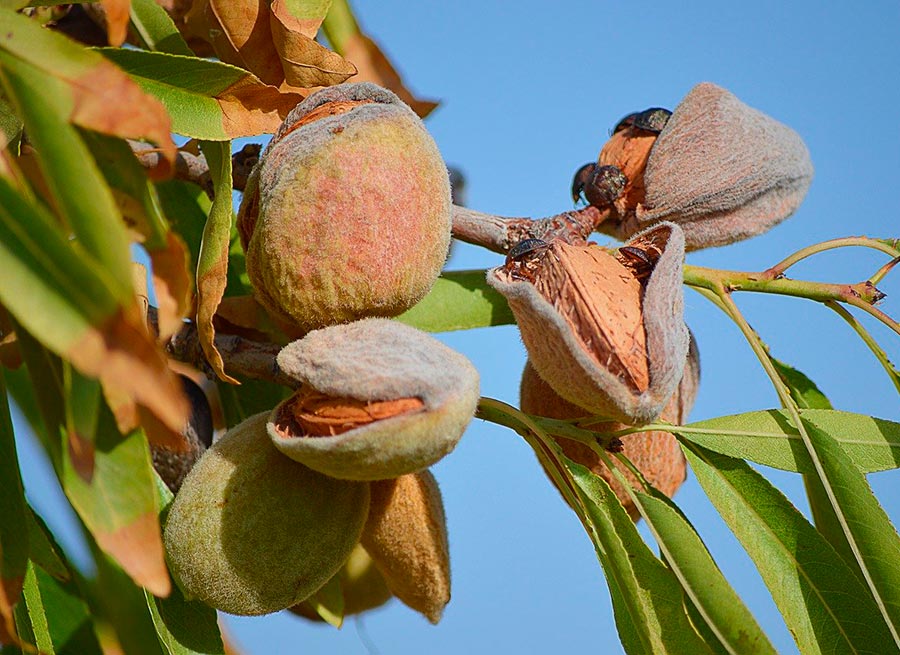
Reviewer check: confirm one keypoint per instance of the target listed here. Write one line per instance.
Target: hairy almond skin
(347, 213)
(432, 391)
(656, 454)
(253, 532)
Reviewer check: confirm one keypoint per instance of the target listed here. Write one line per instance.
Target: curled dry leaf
(406, 536)
(720, 169)
(378, 399)
(606, 333)
(269, 40)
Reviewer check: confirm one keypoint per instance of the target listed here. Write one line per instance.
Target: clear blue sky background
(529, 91)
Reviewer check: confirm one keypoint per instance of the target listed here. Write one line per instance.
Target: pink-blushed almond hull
(722, 170)
(346, 216)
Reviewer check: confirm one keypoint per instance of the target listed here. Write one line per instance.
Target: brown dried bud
(252, 532)
(406, 535)
(606, 333)
(656, 455)
(378, 399)
(347, 213)
(720, 169)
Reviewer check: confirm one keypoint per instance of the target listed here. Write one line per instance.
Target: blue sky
(529, 91)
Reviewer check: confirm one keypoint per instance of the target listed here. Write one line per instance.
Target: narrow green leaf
(767, 437)
(459, 300)
(651, 593)
(13, 510)
(58, 616)
(156, 30)
(808, 396)
(720, 607)
(873, 540)
(120, 603)
(803, 390)
(43, 549)
(88, 206)
(110, 482)
(186, 207)
(212, 267)
(824, 604)
(185, 627)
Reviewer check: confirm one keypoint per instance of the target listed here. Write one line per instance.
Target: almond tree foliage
(118, 392)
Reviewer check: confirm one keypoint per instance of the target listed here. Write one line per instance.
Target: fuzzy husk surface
(722, 170)
(362, 585)
(656, 454)
(253, 532)
(348, 215)
(406, 536)
(562, 358)
(378, 360)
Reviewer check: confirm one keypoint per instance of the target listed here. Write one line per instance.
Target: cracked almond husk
(656, 454)
(720, 169)
(606, 332)
(406, 536)
(377, 399)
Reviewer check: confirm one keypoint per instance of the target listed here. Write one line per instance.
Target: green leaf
(156, 30)
(57, 617)
(808, 396)
(185, 627)
(803, 390)
(824, 604)
(43, 549)
(717, 603)
(767, 437)
(14, 513)
(88, 206)
(650, 592)
(206, 99)
(212, 267)
(186, 207)
(93, 93)
(873, 540)
(109, 480)
(459, 300)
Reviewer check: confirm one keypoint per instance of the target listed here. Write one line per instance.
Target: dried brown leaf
(252, 108)
(172, 283)
(373, 66)
(132, 369)
(305, 62)
(117, 16)
(138, 549)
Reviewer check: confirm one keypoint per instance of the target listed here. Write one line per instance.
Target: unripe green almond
(253, 532)
(428, 392)
(347, 213)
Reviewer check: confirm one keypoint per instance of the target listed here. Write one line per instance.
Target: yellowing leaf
(101, 97)
(173, 284)
(346, 38)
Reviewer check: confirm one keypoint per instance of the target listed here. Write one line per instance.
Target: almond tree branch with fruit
(298, 333)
